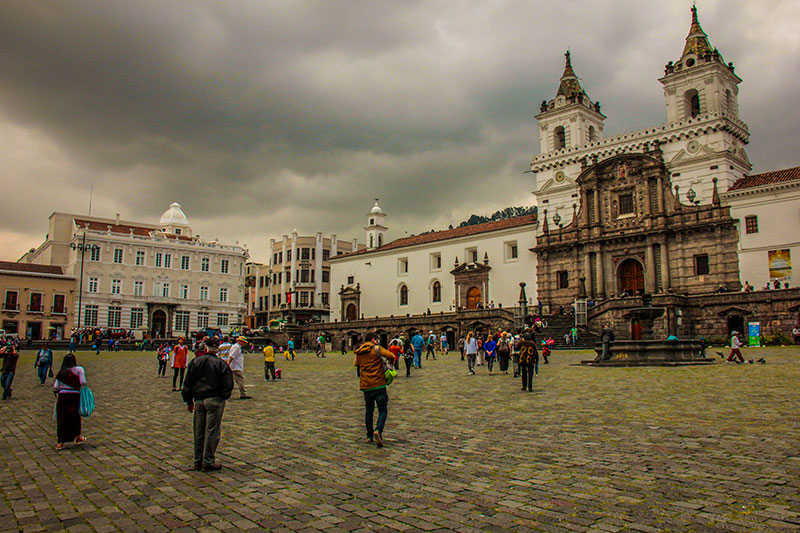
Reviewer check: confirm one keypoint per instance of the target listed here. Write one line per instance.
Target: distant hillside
(508, 212)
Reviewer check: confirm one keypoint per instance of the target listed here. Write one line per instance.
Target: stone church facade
(631, 234)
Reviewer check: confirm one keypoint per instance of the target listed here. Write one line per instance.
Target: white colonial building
(159, 278)
(768, 209)
(702, 139)
(466, 267)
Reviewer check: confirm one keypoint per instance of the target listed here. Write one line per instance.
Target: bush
(776, 339)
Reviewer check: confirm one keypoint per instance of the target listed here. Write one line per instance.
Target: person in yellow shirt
(269, 362)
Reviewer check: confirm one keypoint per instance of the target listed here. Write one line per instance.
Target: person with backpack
(528, 361)
(503, 352)
(43, 363)
(431, 344)
(461, 343)
(371, 361)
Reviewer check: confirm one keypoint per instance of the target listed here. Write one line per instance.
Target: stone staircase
(560, 325)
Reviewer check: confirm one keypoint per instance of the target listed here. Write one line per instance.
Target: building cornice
(636, 140)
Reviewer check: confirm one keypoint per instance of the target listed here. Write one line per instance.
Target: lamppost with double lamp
(82, 247)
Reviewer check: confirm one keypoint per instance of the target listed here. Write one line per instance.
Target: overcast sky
(261, 117)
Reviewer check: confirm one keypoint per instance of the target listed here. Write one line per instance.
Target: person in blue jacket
(419, 344)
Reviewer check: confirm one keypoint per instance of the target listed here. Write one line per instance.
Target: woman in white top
(471, 349)
(68, 392)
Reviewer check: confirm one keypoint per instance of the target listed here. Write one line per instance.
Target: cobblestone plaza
(645, 449)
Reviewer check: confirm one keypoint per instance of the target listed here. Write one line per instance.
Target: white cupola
(376, 227)
(174, 221)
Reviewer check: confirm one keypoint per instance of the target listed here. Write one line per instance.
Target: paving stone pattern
(604, 449)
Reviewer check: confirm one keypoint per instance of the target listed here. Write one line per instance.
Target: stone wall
(458, 323)
(706, 315)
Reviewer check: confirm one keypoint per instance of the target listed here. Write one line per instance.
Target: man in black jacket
(208, 384)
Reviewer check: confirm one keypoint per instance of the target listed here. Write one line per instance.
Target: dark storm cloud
(261, 117)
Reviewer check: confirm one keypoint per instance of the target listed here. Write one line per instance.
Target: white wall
(380, 279)
(778, 211)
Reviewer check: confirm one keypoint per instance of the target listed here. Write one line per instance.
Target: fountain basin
(651, 353)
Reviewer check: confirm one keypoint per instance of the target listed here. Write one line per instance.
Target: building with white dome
(151, 278)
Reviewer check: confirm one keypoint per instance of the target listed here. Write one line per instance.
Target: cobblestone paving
(644, 449)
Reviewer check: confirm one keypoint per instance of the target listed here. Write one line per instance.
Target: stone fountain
(646, 351)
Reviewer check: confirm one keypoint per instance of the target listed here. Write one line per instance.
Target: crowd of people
(207, 381)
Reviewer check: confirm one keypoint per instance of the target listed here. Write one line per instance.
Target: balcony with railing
(36, 308)
(11, 306)
(58, 310)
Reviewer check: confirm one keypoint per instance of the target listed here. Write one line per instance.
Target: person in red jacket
(180, 358)
(370, 362)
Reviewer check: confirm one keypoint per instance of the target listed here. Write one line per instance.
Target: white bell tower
(700, 82)
(376, 227)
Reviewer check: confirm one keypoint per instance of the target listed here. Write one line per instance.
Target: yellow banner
(780, 264)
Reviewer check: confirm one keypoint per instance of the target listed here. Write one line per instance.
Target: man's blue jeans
(42, 369)
(381, 398)
(418, 357)
(5, 380)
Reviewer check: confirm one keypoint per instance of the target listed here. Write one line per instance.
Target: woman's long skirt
(68, 416)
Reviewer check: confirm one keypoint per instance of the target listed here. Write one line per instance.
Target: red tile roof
(767, 178)
(30, 267)
(124, 229)
(435, 236)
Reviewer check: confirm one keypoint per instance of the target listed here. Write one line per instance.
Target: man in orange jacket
(370, 368)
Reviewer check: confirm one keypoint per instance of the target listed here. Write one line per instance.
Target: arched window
(692, 103)
(559, 138)
(592, 134)
(436, 292)
(371, 241)
(380, 240)
(403, 295)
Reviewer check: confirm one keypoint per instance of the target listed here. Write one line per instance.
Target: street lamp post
(82, 247)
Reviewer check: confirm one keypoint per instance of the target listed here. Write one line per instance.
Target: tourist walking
(431, 344)
(10, 358)
(443, 343)
(574, 334)
(236, 362)
(180, 358)
(736, 353)
(269, 362)
(321, 340)
(461, 342)
(224, 349)
(43, 363)
(344, 345)
(489, 350)
(408, 356)
(370, 368)
(481, 351)
(471, 349)
(163, 358)
(546, 347)
(515, 353)
(67, 388)
(208, 385)
(528, 360)
(419, 344)
(290, 348)
(504, 352)
(396, 347)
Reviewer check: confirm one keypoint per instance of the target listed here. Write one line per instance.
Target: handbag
(86, 406)
(388, 367)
